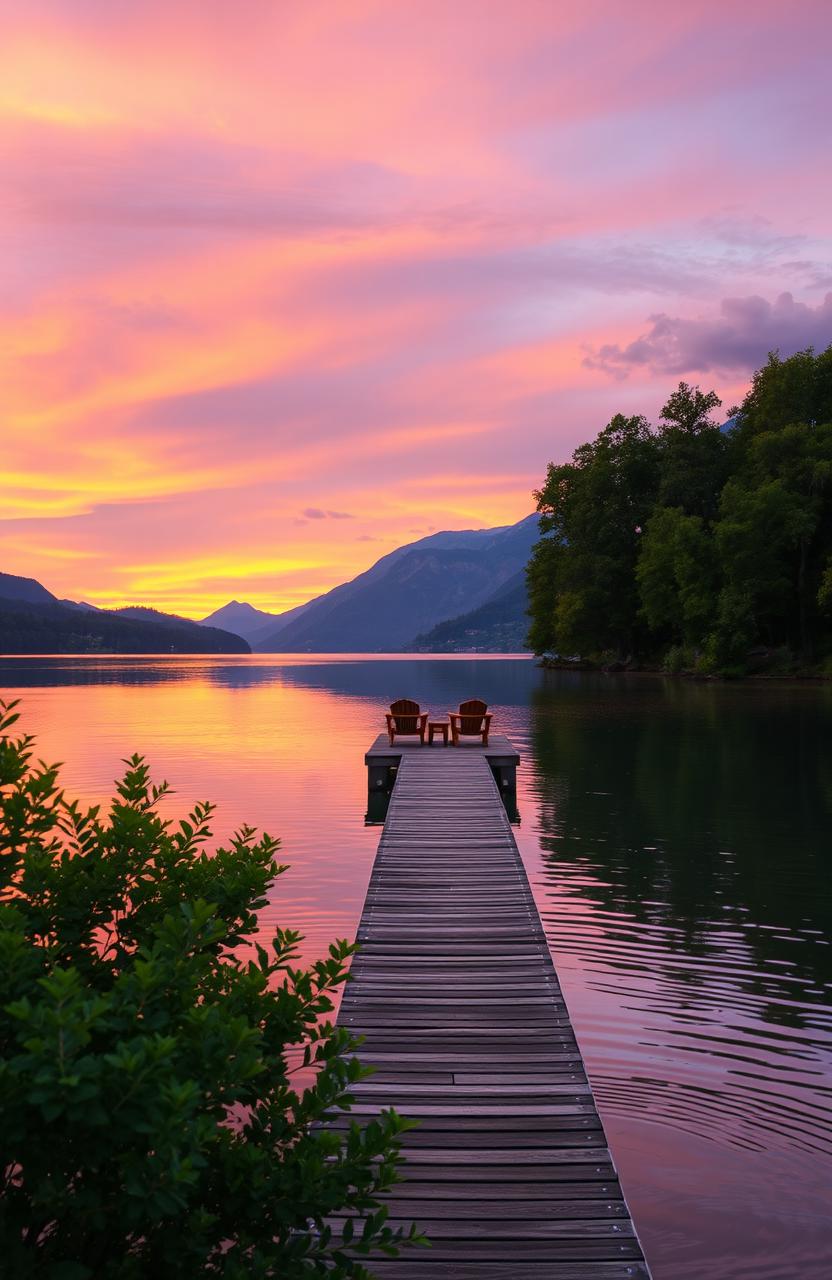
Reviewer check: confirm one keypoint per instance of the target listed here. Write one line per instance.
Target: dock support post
(380, 777)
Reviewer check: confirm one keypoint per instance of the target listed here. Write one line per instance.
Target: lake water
(678, 838)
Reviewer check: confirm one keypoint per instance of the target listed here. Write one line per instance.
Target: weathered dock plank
(456, 996)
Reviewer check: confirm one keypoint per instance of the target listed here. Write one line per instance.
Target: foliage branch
(150, 1120)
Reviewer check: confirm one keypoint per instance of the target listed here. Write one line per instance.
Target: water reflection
(685, 833)
(707, 811)
(382, 679)
(677, 839)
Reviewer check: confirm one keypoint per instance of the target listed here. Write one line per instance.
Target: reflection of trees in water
(697, 807)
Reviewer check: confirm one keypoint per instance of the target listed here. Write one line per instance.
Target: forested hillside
(498, 626)
(694, 547)
(52, 627)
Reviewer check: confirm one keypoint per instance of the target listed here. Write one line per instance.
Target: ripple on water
(677, 840)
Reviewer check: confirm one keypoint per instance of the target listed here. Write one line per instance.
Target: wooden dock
(454, 990)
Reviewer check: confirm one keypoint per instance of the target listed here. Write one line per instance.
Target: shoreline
(692, 677)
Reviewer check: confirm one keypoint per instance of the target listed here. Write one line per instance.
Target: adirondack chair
(471, 721)
(405, 718)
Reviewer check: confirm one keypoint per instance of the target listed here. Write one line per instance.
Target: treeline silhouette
(694, 546)
(54, 628)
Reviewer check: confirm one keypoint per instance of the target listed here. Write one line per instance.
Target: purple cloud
(739, 338)
(318, 513)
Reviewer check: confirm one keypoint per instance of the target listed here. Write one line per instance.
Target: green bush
(679, 660)
(149, 1126)
(726, 651)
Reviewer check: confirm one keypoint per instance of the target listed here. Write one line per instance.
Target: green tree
(825, 589)
(594, 508)
(677, 575)
(695, 455)
(542, 582)
(774, 534)
(149, 1124)
(688, 410)
(676, 571)
(734, 632)
(798, 389)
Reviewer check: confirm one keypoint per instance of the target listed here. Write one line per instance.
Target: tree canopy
(150, 1123)
(691, 544)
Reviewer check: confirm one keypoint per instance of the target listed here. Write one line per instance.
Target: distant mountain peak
(13, 587)
(242, 619)
(407, 592)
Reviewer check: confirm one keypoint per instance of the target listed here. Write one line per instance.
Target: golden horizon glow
(346, 259)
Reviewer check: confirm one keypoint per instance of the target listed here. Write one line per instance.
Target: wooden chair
(406, 718)
(471, 721)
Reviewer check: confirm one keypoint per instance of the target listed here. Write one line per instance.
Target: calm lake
(678, 838)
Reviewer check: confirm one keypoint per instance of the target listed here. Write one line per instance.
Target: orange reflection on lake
(676, 837)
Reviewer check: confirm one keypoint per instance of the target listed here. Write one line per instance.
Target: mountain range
(498, 626)
(475, 577)
(449, 592)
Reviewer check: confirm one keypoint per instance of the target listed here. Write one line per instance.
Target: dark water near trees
(678, 841)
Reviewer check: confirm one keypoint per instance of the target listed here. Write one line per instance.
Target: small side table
(438, 726)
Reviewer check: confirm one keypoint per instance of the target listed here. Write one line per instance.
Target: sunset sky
(288, 284)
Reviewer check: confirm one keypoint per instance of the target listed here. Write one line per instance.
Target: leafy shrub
(726, 651)
(679, 659)
(148, 1121)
